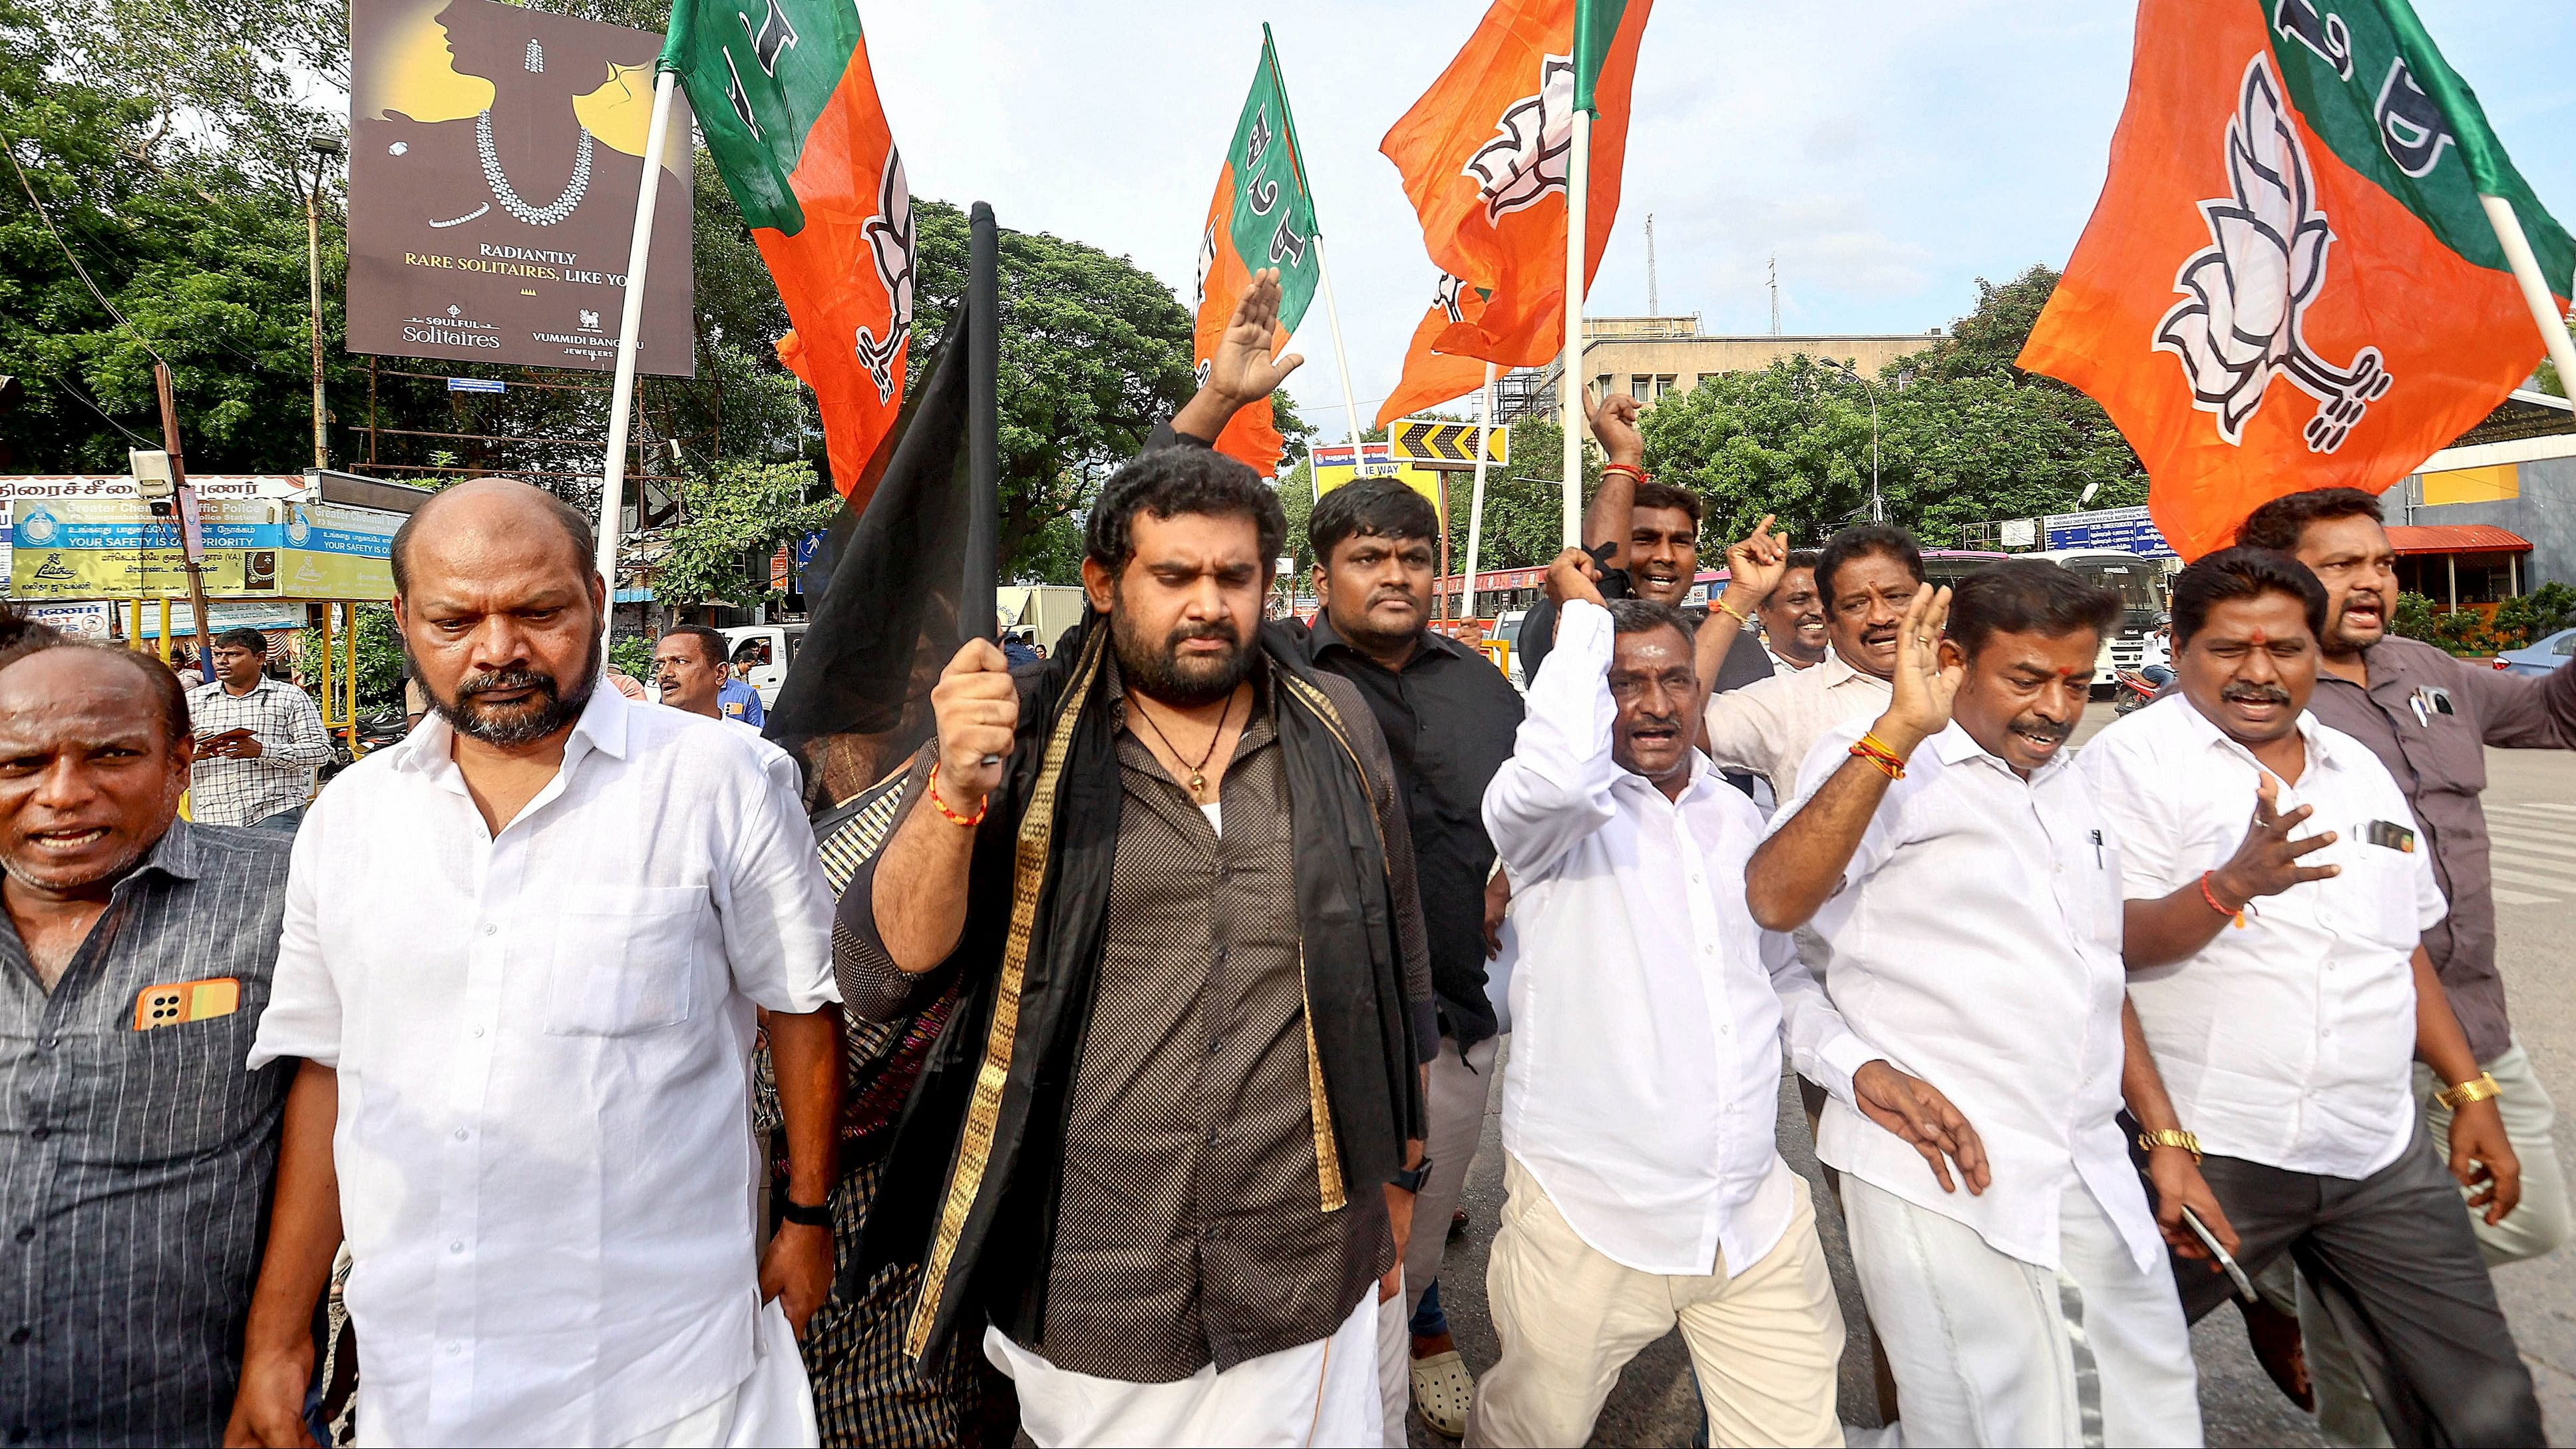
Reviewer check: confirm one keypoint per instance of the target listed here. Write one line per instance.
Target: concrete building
(2494, 514)
(1651, 358)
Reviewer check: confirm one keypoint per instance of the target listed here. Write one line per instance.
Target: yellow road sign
(1439, 442)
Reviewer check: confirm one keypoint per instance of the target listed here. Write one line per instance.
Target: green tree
(741, 512)
(380, 661)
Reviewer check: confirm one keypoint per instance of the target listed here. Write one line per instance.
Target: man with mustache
(136, 951)
(1793, 617)
(1448, 716)
(2282, 978)
(521, 957)
(1865, 576)
(2430, 718)
(1966, 883)
(1647, 1191)
(1164, 1165)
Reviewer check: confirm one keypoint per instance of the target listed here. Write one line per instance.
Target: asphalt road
(2531, 801)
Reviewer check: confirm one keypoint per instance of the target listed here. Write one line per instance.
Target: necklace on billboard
(547, 215)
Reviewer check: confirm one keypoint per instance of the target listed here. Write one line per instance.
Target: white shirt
(1975, 943)
(1768, 726)
(543, 1042)
(777, 763)
(2291, 1041)
(1645, 1073)
(1783, 664)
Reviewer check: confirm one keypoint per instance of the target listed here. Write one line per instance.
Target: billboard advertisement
(117, 548)
(494, 158)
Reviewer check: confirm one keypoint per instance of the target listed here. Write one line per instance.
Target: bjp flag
(1262, 216)
(1484, 156)
(788, 105)
(2290, 281)
(1432, 377)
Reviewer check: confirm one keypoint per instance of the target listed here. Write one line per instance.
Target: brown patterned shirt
(1191, 1229)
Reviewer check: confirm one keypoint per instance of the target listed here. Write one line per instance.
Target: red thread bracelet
(951, 816)
(1631, 469)
(2206, 894)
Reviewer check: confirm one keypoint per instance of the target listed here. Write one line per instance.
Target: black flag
(912, 576)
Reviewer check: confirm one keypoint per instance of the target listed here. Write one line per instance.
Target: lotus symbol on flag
(889, 235)
(1527, 157)
(2247, 292)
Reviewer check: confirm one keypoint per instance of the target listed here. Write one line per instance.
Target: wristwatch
(2170, 1137)
(2475, 1089)
(817, 1216)
(1411, 1179)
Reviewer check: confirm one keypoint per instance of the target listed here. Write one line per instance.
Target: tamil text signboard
(2126, 529)
(495, 154)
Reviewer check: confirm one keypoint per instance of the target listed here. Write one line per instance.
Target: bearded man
(518, 971)
(1155, 1158)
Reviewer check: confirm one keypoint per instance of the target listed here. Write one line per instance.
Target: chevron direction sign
(1438, 443)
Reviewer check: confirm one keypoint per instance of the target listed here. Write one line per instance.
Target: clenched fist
(978, 710)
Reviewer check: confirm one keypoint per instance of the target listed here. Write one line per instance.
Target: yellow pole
(165, 632)
(350, 676)
(134, 632)
(326, 667)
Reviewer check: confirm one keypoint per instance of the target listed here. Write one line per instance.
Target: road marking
(2565, 880)
(2511, 839)
(2540, 807)
(2517, 898)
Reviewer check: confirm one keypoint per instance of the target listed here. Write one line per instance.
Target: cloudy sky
(1889, 152)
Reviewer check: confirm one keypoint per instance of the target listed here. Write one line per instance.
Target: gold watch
(2476, 1089)
(2171, 1137)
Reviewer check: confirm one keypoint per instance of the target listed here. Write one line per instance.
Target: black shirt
(1449, 718)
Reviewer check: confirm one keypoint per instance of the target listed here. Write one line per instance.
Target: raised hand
(1573, 575)
(1924, 685)
(1614, 423)
(1915, 1110)
(978, 712)
(1241, 371)
(2266, 861)
(1755, 565)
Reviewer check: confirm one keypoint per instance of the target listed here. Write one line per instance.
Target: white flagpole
(629, 327)
(1341, 360)
(1476, 500)
(2535, 287)
(1569, 384)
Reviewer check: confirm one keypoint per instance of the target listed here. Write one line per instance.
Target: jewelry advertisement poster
(494, 158)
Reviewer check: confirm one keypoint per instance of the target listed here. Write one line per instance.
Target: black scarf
(975, 1174)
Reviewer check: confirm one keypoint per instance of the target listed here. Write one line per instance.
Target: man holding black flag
(1159, 1157)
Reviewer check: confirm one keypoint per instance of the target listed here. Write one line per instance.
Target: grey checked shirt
(291, 743)
(135, 1166)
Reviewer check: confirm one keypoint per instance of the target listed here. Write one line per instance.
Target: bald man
(135, 954)
(521, 955)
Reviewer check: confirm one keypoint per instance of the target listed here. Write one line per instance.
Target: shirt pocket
(624, 962)
(2375, 894)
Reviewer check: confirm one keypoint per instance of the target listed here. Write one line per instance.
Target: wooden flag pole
(1569, 384)
(630, 326)
(1476, 499)
(2535, 287)
(1341, 359)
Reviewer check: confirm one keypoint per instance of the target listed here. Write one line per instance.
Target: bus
(2145, 598)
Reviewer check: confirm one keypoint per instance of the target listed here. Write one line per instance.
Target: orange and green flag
(1262, 216)
(1484, 154)
(788, 105)
(1432, 377)
(2290, 281)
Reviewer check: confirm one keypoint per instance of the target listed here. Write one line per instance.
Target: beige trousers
(1767, 1343)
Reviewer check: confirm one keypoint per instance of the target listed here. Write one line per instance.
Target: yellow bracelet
(1737, 614)
(2476, 1089)
(2170, 1137)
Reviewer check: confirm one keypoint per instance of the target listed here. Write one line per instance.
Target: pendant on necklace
(1198, 783)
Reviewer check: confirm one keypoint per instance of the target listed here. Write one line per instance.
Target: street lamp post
(323, 148)
(1877, 509)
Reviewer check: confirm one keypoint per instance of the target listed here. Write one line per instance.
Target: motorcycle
(2134, 692)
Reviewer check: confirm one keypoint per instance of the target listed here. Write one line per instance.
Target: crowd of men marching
(1126, 1051)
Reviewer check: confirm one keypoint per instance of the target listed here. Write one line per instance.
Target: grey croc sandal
(1443, 1390)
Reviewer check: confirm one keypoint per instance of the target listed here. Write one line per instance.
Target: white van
(770, 648)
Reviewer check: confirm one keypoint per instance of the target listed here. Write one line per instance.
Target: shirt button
(460, 1134)
(26, 1235)
(456, 1247)
(454, 1349)
(21, 1336)
(41, 1133)
(489, 929)
(478, 1031)
(52, 1042)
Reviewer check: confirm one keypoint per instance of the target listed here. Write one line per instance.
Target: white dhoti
(1988, 1349)
(775, 1406)
(1322, 1394)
